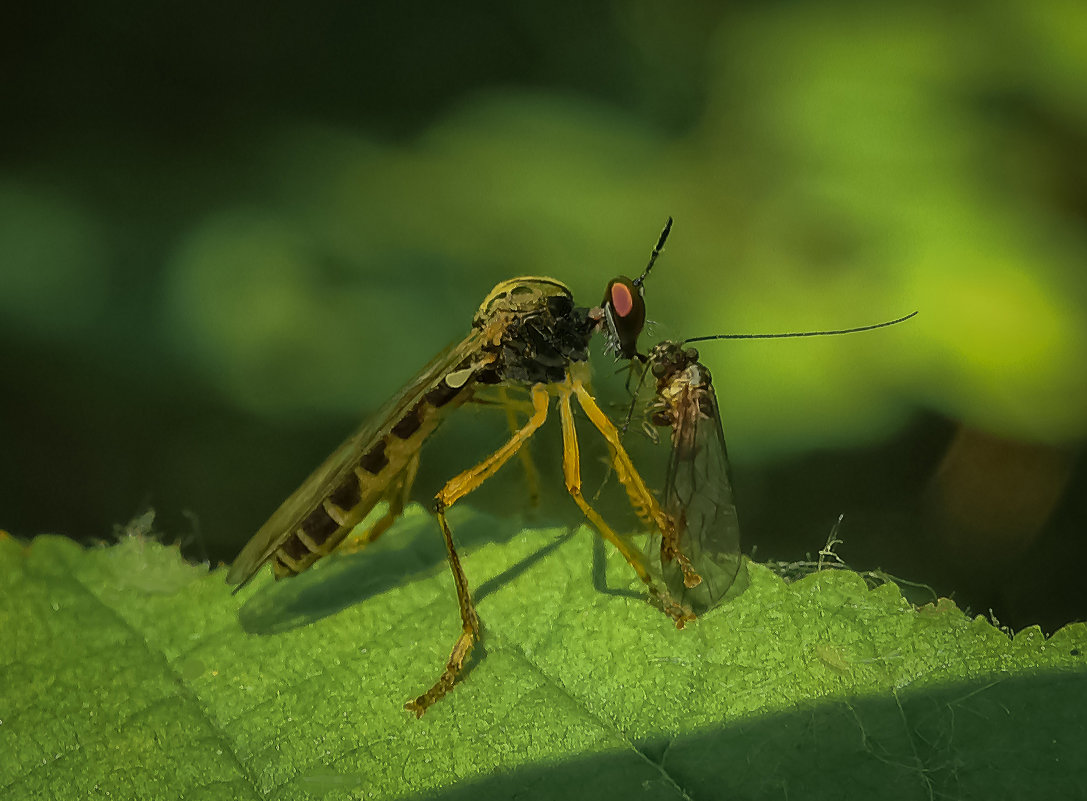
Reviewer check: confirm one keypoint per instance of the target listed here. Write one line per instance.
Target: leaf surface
(132, 675)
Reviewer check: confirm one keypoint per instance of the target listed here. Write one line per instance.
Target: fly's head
(534, 329)
(622, 312)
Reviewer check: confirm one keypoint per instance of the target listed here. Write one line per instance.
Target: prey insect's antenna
(653, 256)
(802, 333)
(645, 359)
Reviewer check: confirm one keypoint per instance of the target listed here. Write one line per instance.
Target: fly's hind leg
(454, 490)
(571, 467)
(397, 496)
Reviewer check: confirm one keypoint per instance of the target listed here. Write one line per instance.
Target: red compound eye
(623, 308)
(622, 300)
(624, 311)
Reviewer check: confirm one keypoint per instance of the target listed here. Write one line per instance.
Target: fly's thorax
(534, 331)
(520, 295)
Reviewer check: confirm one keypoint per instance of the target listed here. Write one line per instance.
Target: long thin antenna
(653, 256)
(799, 333)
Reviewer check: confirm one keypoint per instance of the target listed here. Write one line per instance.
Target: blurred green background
(229, 232)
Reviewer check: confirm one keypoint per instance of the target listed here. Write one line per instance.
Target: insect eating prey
(528, 333)
(699, 554)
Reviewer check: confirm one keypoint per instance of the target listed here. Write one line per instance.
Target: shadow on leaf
(995, 737)
(412, 548)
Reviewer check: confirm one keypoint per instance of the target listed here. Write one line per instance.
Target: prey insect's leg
(532, 477)
(571, 468)
(454, 490)
(640, 496)
(397, 496)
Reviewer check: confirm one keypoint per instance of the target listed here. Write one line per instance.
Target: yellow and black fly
(528, 334)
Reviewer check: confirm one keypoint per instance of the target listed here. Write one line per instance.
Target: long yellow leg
(459, 486)
(470, 630)
(454, 490)
(641, 498)
(571, 467)
(532, 476)
(501, 397)
(640, 495)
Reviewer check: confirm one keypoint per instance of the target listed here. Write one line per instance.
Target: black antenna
(799, 333)
(653, 256)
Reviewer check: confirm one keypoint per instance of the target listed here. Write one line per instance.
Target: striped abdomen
(367, 482)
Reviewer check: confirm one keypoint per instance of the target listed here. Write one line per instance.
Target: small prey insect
(698, 482)
(704, 539)
(527, 334)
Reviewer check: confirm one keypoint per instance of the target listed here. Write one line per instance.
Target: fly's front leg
(571, 468)
(454, 490)
(643, 500)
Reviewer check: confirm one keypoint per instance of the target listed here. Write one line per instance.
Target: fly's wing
(698, 496)
(335, 468)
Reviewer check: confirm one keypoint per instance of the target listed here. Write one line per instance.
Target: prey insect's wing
(335, 469)
(698, 497)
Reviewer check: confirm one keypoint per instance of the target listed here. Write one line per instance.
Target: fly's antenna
(802, 333)
(653, 256)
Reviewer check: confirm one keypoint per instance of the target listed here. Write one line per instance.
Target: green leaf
(128, 674)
